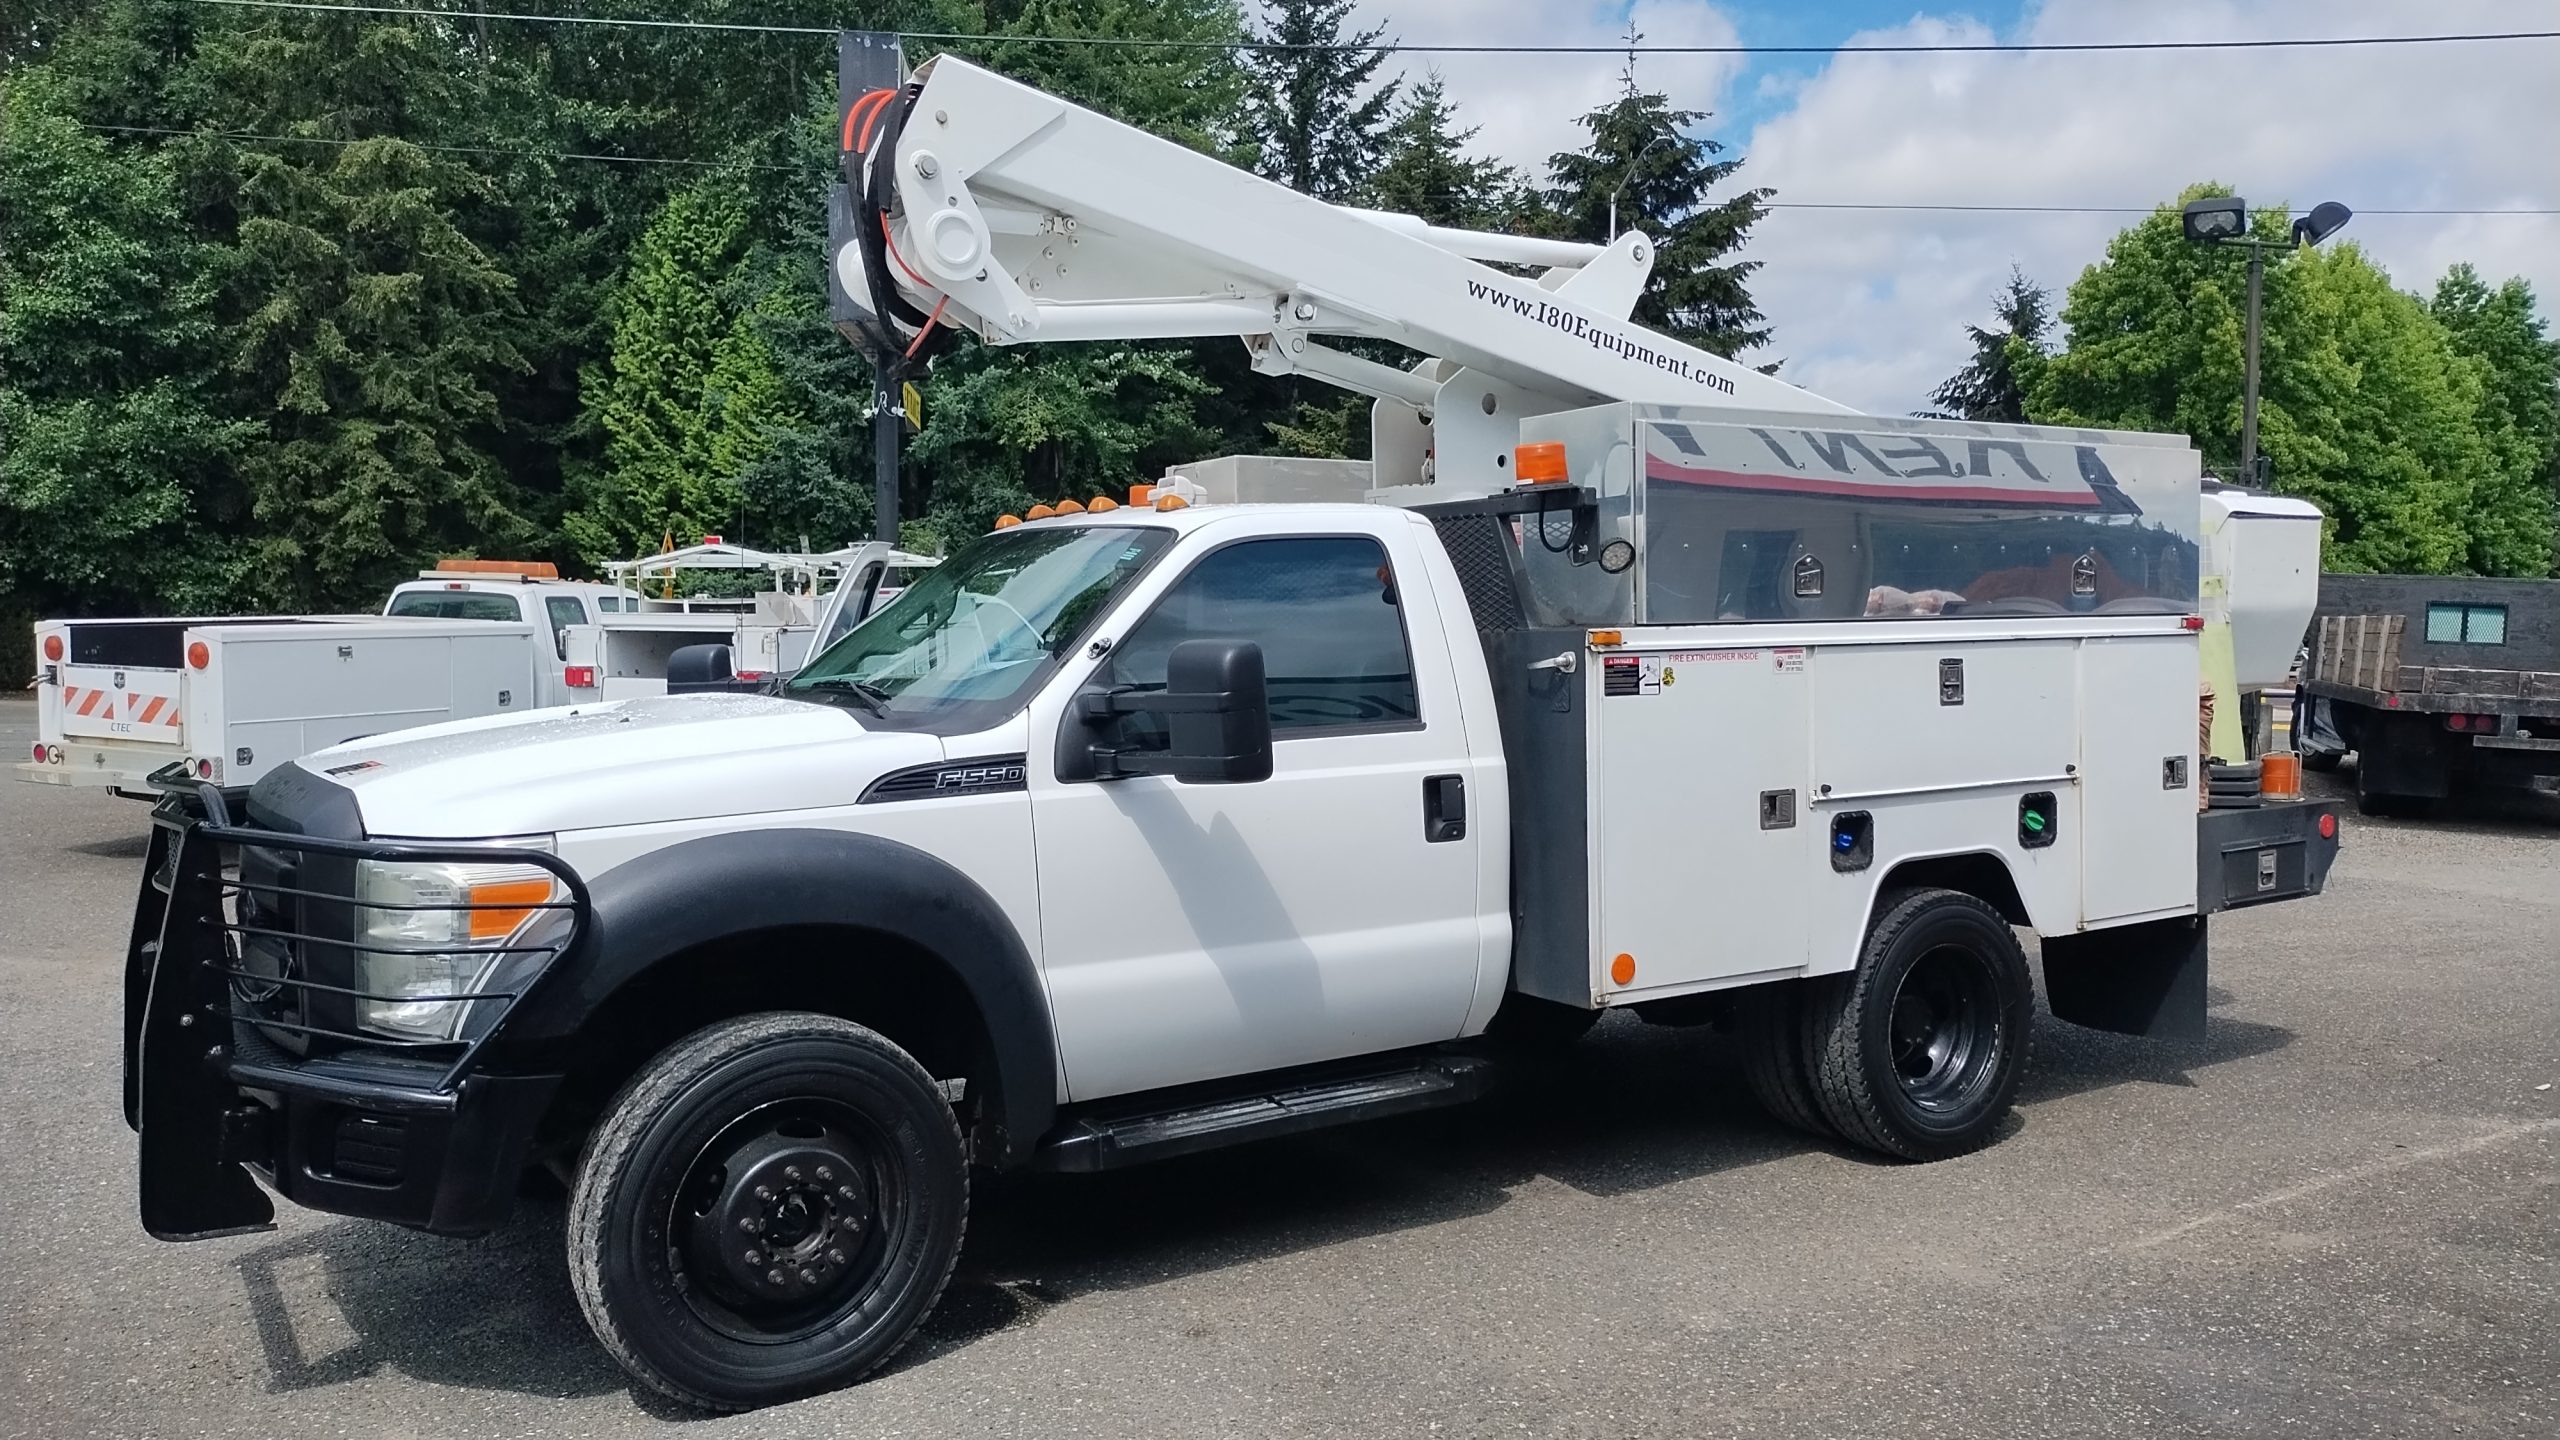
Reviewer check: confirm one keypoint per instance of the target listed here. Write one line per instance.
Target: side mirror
(699, 669)
(1217, 710)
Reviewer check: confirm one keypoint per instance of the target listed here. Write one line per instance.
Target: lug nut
(753, 1257)
(764, 1192)
(845, 1192)
(826, 1176)
(791, 1172)
(835, 1257)
(748, 1224)
(773, 1277)
(809, 1277)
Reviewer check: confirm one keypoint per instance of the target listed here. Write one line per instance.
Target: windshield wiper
(871, 697)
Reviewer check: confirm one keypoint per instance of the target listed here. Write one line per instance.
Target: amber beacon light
(1540, 462)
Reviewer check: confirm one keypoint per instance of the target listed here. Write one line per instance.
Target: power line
(422, 145)
(520, 154)
(2311, 42)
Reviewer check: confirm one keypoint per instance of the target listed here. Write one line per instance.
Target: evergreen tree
(115, 487)
(1426, 171)
(681, 396)
(2514, 526)
(1987, 387)
(374, 323)
(1642, 153)
(1318, 110)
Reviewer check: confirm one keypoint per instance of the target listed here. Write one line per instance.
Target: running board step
(1110, 1142)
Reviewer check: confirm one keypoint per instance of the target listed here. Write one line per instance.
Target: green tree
(1064, 422)
(2366, 409)
(115, 485)
(2514, 527)
(684, 394)
(1426, 171)
(1642, 152)
(1190, 91)
(1987, 387)
(1318, 111)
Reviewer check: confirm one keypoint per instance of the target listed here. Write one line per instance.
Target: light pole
(1641, 151)
(2224, 220)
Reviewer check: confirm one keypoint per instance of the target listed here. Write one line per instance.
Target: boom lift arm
(982, 204)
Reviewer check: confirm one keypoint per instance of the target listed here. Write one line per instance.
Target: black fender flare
(696, 892)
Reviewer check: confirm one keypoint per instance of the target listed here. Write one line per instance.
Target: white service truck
(807, 602)
(232, 698)
(1159, 826)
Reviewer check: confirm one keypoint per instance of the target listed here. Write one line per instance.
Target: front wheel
(768, 1210)
(1918, 1052)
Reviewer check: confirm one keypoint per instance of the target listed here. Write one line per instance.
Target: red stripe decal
(1657, 468)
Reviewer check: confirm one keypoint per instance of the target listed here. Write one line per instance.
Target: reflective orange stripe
(89, 701)
(151, 711)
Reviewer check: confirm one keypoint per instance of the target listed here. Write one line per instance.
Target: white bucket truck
(1165, 825)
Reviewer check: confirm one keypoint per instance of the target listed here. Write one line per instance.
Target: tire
(714, 1254)
(1773, 1057)
(1918, 1052)
(2321, 762)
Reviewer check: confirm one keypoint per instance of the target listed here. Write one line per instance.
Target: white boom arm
(1022, 217)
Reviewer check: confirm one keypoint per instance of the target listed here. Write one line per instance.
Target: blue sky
(1868, 307)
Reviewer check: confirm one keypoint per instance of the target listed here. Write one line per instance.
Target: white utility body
(1636, 679)
(808, 600)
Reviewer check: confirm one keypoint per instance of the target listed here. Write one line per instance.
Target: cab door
(1197, 931)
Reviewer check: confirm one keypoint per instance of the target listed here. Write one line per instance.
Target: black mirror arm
(1095, 706)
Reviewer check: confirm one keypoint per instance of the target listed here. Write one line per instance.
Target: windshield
(970, 638)
(455, 605)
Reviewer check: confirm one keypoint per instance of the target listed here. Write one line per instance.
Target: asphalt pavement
(2336, 1215)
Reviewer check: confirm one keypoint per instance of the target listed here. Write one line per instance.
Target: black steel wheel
(1918, 1052)
(768, 1210)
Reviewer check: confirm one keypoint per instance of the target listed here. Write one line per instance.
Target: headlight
(444, 929)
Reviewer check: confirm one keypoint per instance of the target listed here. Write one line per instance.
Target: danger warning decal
(1632, 675)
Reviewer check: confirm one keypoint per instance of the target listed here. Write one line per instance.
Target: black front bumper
(419, 1134)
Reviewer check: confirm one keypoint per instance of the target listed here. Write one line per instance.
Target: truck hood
(631, 762)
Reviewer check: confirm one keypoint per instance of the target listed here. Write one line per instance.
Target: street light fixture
(1638, 159)
(2224, 220)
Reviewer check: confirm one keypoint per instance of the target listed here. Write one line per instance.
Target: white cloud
(1527, 105)
(1869, 306)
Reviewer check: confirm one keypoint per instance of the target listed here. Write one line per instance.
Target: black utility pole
(2249, 385)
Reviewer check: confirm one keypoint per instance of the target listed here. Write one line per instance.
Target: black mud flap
(185, 1104)
(2145, 979)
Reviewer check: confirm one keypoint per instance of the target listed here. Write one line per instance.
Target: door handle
(1444, 808)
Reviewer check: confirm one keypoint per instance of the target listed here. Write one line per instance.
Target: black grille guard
(194, 1024)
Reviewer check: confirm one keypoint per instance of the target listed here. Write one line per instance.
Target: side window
(1323, 609)
(565, 612)
(609, 604)
(2466, 624)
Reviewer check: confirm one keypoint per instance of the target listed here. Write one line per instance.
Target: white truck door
(1195, 931)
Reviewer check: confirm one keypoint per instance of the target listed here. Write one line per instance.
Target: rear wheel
(768, 1210)
(1918, 1052)
(1773, 1056)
